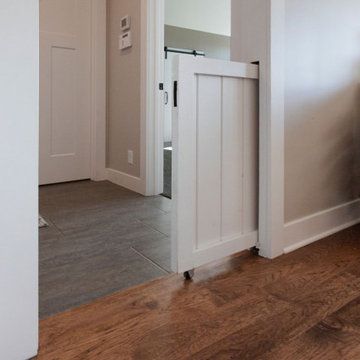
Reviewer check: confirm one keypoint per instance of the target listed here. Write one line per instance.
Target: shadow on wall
(322, 149)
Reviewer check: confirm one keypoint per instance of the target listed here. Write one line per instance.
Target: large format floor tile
(158, 250)
(159, 222)
(101, 238)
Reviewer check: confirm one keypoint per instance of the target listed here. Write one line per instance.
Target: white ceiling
(212, 16)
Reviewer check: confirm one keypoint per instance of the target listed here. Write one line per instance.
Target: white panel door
(215, 150)
(65, 91)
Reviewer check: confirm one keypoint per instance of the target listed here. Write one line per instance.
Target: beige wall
(322, 97)
(249, 16)
(322, 127)
(321, 105)
(123, 119)
(215, 46)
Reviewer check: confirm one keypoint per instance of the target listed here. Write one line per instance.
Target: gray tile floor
(167, 170)
(102, 238)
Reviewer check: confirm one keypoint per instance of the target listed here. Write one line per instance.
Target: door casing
(98, 90)
(272, 113)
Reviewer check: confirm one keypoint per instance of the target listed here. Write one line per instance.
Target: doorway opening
(99, 235)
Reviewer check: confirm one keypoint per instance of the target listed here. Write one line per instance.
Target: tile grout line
(151, 261)
(152, 228)
(52, 223)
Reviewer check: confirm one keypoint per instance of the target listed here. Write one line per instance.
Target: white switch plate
(125, 40)
(125, 23)
(130, 157)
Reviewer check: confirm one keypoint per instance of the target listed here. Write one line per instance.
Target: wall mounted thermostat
(125, 40)
(125, 23)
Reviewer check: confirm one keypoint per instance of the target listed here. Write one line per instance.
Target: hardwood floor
(304, 305)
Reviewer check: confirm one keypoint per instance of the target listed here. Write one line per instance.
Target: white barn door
(215, 145)
(65, 90)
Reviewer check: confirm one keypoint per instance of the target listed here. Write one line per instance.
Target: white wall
(321, 100)
(322, 127)
(19, 35)
(213, 16)
(322, 105)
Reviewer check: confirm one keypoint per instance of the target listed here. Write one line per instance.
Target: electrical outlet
(130, 157)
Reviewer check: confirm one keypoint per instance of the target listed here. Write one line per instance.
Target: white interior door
(65, 90)
(215, 161)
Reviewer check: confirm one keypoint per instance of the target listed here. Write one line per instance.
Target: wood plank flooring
(304, 305)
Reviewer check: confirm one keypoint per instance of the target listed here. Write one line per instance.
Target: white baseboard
(312, 228)
(127, 181)
(99, 175)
